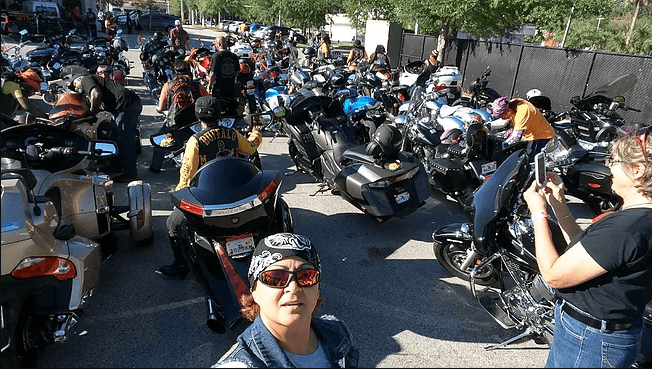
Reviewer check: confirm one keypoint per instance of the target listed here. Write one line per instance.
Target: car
(159, 22)
(224, 25)
(233, 26)
(209, 22)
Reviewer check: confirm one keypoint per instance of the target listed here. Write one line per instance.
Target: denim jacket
(256, 347)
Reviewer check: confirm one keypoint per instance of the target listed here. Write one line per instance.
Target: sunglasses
(641, 139)
(281, 278)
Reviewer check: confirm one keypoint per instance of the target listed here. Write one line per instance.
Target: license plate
(489, 167)
(402, 197)
(240, 245)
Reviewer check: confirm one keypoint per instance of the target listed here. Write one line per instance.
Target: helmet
(380, 49)
(385, 142)
(274, 71)
(104, 70)
(309, 51)
(120, 44)
(500, 106)
(182, 67)
(31, 77)
(337, 80)
(144, 56)
(357, 43)
(158, 36)
(177, 22)
(533, 92)
(208, 109)
(244, 68)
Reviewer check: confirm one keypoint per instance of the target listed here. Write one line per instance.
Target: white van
(45, 8)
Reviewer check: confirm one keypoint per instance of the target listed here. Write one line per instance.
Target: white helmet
(177, 22)
(532, 93)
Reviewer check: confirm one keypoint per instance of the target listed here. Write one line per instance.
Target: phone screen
(540, 168)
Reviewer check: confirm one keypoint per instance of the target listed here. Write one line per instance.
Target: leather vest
(216, 141)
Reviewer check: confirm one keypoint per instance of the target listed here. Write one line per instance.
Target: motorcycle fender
(140, 210)
(86, 255)
(304, 140)
(453, 233)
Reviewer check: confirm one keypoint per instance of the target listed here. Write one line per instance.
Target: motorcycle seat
(447, 110)
(356, 153)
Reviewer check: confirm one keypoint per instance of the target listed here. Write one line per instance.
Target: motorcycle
(481, 94)
(66, 166)
(378, 179)
(498, 245)
(594, 120)
(584, 173)
(224, 224)
(48, 272)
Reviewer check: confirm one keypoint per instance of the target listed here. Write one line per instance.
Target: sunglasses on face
(641, 139)
(281, 278)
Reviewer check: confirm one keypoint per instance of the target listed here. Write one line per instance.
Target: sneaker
(175, 270)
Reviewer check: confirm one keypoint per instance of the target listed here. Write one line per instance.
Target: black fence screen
(559, 73)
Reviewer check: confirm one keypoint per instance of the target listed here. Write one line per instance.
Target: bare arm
(96, 100)
(570, 269)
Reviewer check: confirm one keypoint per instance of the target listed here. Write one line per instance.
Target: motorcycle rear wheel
(452, 255)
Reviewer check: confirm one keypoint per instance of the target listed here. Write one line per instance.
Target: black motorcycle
(481, 94)
(498, 245)
(377, 178)
(224, 224)
(584, 172)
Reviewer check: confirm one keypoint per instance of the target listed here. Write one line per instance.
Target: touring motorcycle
(224, 224)
(378, 178)
(48, 272)
(498, 246)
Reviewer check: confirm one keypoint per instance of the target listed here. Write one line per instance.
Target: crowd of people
(601, 281)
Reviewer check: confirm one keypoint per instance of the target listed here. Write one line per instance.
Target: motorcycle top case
(229, 195)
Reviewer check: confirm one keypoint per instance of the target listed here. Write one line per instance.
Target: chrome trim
(232, 208)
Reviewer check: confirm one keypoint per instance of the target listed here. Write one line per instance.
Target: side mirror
(279, 111)
(165, 140)
(263, 119)
(619, 99)
(23, 32)
(103, 149)
(575, 100)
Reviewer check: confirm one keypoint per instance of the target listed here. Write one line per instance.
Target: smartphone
(540, 168)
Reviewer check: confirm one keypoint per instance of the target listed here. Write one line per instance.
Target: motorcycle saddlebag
(449, 175)
(307, 145)
(140, 210)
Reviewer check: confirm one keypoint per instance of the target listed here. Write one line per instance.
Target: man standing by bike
(225, 67)
(125, 105)
(91, 23)
(213, 141)
(179, 38)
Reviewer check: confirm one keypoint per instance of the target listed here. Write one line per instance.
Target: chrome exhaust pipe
(214, 321)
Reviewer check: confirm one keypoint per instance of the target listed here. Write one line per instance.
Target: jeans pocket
(619, 355)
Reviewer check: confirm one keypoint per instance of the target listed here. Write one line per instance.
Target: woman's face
(283, 307)
(621, 177)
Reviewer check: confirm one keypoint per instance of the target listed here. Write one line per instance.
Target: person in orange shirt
(527, 122)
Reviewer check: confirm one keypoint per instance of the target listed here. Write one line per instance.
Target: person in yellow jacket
(213, 141)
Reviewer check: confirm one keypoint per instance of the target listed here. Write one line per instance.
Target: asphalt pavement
(382, 280)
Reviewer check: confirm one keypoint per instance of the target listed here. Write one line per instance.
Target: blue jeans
(127, 122)
(575, 345)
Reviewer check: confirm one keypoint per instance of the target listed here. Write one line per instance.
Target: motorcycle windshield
(618, 87)
(492, 196)
(225, 180)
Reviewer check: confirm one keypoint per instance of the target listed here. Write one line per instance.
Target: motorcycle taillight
(269, 190)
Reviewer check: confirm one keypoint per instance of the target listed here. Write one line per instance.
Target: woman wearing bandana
(285, 280)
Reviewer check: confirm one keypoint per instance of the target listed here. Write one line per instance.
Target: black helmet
(385, 142)
(337, 80)
(380, 49)
(182, 67)
(159, 36)
(309, 51)
(208, 109)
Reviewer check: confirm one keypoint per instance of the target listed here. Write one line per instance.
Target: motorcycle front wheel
(452, 255)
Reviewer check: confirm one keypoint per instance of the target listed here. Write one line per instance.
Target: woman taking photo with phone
(603, 279)
(285, 280)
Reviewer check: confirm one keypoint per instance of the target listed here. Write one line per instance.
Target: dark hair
(357, 43)
(182, 67)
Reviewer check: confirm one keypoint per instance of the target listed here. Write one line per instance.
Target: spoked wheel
(451, 256)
